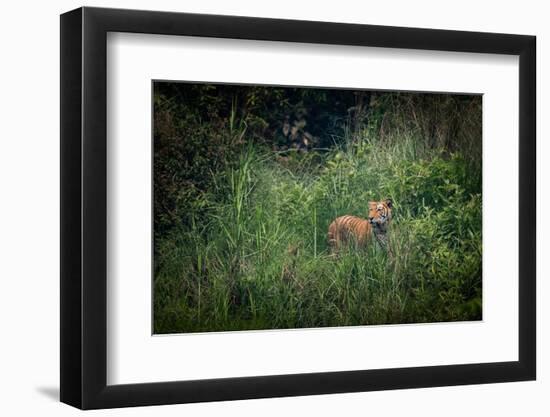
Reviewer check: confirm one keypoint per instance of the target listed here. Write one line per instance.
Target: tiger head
(380, 213)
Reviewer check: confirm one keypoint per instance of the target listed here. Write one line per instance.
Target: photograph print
(282, 207)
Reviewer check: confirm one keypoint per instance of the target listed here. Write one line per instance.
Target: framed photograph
(257, 208)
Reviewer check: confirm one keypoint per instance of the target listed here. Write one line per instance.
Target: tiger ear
(389, 203)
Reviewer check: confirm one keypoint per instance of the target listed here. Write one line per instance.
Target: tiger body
(352, 229)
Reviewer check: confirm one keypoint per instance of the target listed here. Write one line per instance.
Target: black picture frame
(84, 207)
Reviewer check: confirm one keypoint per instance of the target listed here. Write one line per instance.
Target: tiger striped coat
(352, 229)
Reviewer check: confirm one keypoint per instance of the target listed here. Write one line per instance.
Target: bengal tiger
(347, 229)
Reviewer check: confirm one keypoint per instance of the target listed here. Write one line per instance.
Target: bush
(251, 252)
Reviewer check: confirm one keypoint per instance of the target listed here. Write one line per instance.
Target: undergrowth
(250, 251)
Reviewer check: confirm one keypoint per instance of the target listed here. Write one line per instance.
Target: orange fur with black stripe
(352, 229)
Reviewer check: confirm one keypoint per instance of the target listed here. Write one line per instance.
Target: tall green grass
(254, 254)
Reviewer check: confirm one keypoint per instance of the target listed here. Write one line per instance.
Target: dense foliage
(247, 180)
